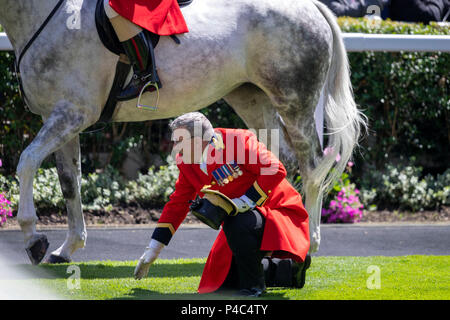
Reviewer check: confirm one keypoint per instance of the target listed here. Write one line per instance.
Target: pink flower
(5, 210)
(338, 157)
(329, 150)
(350, 164)
(345, 208)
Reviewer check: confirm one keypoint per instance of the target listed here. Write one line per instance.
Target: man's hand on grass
(150, 255)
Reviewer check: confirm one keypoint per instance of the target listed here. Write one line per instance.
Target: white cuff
(248, 201)
(156, 245)
(243, 203)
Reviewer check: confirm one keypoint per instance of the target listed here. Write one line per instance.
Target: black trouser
(249, 268)
(244, 235)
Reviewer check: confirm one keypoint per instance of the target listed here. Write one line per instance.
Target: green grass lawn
(405, 277)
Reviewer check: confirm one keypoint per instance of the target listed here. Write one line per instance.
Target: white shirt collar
(217, 143)
(204, 159)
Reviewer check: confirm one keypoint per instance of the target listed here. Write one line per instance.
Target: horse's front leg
(68, 163)
(62, 125)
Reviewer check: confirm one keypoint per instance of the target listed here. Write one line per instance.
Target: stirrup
(150, 108)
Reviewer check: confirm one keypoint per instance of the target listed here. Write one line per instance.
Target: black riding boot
(138, 51)
(285, 272)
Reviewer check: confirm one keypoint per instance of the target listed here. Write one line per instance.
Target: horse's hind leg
(61, 126)
(257, 111)
(300, 126)
(68, 163)
(299, 144)
(295, 93)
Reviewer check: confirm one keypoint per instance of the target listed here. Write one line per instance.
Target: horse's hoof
(37, 248)
(53, 259)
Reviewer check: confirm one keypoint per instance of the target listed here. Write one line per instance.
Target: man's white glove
(150, 255)
(243, 203)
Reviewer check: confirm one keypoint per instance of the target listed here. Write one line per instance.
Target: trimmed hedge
(405, 96)
(99, 191)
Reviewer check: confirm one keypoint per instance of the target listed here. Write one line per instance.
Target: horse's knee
(28, 164)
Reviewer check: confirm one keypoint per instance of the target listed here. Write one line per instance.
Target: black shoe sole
(250, 293)
(300, 283)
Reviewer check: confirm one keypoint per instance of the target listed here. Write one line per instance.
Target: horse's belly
(173, 101)
(194, 74)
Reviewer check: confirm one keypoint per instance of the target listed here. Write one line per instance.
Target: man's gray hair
(196, 123)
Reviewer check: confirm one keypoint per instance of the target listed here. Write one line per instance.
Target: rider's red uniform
(162, 17)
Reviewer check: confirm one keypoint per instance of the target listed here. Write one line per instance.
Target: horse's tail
(343, 120)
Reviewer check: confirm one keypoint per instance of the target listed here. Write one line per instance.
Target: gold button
(269, 191)
(213, 182)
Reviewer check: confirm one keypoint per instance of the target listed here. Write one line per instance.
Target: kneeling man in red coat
(267, 241)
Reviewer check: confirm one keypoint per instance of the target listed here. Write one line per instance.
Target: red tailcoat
(286, 231)
(162, 17)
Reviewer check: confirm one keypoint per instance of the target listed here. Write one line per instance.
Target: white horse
(268, 59)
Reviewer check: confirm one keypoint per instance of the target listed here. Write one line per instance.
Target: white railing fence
(355, 42)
